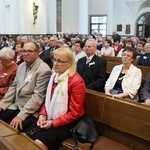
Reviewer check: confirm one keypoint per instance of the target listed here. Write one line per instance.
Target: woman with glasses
(125, 79)
(8, 69)
(63, 107)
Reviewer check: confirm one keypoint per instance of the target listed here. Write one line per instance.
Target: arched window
(143, 25)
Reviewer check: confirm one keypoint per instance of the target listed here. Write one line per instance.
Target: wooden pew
(10, 139)
(123, 124)
(131, 121)
(145, 70)
(117, 60)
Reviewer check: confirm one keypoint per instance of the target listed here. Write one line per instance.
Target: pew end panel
(93, 104)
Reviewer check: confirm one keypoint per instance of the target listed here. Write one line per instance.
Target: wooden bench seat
(123, 124)
(11, 140)
(102, 143)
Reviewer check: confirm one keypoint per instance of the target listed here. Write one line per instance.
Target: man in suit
(27, 93)
(116, 36)
(92, 68)
(46, 56)
(3, 43)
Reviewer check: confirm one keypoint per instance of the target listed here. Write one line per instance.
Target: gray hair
(92, 40)
(7, 53)
(55, 38)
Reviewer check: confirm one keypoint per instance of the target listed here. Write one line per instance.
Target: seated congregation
(46, 104)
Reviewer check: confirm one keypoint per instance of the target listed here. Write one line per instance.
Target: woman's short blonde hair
(66, 54)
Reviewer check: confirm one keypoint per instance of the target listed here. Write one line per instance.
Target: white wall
(41, 24)
(18, 18)
(9, 18)
(70, 13)
(127, 12)
(51, 16)
(98, 7)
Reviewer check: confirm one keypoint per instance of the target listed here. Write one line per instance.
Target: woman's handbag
(85, 132)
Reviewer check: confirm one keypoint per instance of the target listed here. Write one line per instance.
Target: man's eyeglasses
(28, 51)
(126, 55)
(59, 61)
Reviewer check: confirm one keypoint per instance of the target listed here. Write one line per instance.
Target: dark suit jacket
(47, 57)
(145, 91)
(93, 73)
(2, 45)
(144, 60)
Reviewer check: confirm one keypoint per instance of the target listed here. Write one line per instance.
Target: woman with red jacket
(63, 107)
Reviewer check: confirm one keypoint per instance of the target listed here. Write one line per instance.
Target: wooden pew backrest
(127, 116)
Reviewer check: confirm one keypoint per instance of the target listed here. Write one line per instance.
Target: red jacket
(76, 95)
(5, 82)
(117, 48)
(20, 60)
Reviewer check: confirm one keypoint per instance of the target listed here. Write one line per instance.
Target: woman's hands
(43, 123)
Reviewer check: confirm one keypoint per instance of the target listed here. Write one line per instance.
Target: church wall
(70, 16)
(18, 17)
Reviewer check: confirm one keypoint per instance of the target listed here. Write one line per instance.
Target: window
(143, 25)
(98, 24)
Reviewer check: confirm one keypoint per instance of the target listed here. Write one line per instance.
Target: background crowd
(38, 72)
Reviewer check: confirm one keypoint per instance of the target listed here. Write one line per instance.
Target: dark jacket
(145, 91)
(93, 73)
(46, 56)
(144, 60)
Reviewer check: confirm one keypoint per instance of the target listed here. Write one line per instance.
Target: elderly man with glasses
(25, 96)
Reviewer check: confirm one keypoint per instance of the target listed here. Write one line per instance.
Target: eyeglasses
(126, 55)
(59, 61)
(28, 51)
